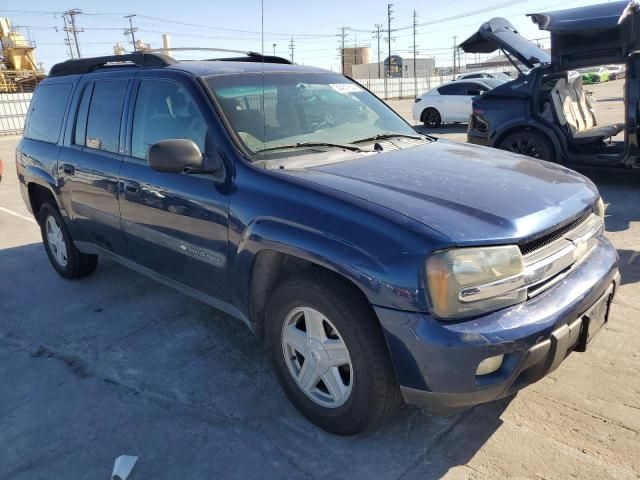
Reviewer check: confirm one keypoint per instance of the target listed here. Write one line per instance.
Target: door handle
(68, 169)
(131, 187)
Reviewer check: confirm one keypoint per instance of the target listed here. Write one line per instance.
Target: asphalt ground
(117, 364)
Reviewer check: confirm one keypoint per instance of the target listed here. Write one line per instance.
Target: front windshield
(287, 110)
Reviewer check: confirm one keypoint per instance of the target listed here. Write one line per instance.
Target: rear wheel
(65, 258)
(329, 354)
(431, 118)
(529, 143)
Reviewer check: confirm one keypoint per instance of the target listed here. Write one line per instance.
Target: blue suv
(378, 265)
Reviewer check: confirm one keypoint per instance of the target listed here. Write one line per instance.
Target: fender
(364, 270)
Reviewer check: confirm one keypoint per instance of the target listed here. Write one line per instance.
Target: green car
(590, 78)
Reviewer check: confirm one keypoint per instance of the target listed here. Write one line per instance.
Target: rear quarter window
(46, 112)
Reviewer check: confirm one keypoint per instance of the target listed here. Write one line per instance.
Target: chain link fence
(401, 88)
(13, 111)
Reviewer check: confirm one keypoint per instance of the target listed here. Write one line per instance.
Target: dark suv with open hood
(376, 263)
(545, 113)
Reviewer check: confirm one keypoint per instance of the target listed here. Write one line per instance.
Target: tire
(431, 118)
(65, 258)
(529, 143)
(366, 375)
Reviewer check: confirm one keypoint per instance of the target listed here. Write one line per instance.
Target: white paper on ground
(122, 467)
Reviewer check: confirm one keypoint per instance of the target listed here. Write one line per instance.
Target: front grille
(540, 242)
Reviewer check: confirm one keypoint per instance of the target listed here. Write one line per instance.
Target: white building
(400, 67)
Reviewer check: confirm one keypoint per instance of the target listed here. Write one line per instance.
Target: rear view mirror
(175, 156)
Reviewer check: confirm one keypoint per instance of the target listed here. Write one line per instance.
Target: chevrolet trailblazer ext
(379, 265)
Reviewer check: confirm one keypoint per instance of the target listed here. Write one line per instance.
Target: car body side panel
(176, 224)
(378, 250)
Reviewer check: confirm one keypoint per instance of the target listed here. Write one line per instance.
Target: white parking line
(24, 217)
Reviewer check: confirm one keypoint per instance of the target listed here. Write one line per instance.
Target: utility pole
(67, 40)
(455, 48)
(131, 31)
(415, 53)
(73, 29)
(378, 35)
(292, 47)
(388, 70)
(274, 49)
(343, 35)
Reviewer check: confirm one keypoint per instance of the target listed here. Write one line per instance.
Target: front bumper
(435, 362)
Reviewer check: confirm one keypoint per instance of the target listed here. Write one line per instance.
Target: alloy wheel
(317, 357)
(56, 242)
(525, 146)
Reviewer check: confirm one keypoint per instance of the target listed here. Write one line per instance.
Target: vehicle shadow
(629, 266)
(620, 191)
(117, 335)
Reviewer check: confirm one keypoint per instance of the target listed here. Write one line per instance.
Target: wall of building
(425, 67)
(352, 56)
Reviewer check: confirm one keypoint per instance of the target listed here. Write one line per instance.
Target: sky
(314, 26)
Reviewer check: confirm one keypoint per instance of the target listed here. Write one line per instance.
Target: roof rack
(250, 56)
(86, 65)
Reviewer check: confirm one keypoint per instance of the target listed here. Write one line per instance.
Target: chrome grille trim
(548, 265)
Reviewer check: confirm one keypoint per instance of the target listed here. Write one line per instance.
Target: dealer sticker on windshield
(345, 87)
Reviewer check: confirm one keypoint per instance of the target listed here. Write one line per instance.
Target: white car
(450, 102)
(474, 75)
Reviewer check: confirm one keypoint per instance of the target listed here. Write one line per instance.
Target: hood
(498, 33)
(596, 34)
(471, 194)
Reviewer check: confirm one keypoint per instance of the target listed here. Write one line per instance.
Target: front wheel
(529, 143)
(329, 354)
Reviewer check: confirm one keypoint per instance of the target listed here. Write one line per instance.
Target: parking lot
(118, 364)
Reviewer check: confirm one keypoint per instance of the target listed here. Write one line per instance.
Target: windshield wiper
(345, 146)
(384, 136)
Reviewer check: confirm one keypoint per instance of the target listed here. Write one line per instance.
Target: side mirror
(175, 156)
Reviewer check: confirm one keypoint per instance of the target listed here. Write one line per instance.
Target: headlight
(463, 282)
(599, 208)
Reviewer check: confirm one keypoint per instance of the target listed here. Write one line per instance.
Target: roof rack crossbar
(86, 65)
(250, 56)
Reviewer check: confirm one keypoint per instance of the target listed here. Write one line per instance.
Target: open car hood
(580, 37)
(597, 34)
(498, 33)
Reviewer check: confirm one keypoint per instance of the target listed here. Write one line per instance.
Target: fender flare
(39, 176)
(332, 253)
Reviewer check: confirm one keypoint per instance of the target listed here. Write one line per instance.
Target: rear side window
(46, 112)
(105, 114)
(453, 89)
